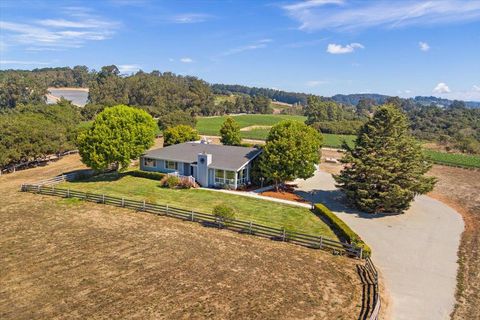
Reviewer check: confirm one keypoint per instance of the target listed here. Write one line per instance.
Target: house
(211, 165)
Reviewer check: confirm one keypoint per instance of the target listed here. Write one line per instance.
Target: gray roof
(223, 157)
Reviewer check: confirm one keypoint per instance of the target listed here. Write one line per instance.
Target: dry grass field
(65, 259)
(460, 189)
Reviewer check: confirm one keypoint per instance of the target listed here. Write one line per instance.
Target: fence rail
(47, 187)
(376, 294)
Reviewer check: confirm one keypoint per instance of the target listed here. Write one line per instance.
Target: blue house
(214, 166)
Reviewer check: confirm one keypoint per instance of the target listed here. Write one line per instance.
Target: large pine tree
(386, 168)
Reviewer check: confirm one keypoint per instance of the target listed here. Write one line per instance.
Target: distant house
(215, 166)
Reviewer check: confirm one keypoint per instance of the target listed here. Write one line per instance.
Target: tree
(16, 89)
(179, 134)
(385, 169)
(230, 132)
(176, 118)
(320, 110)
(118, 135)
(291, 151)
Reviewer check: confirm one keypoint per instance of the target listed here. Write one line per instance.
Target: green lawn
(211, 126)
(454, 159)
(260, 211)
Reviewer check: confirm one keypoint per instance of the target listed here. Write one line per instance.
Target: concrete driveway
(416, 251)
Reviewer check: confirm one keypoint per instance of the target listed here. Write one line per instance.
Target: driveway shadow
(336, 201)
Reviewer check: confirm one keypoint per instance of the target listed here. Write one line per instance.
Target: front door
(186, 169)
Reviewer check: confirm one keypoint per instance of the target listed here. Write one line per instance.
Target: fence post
(192, 215)
(68, 193)
(53, 189)
(123, 202)
(144, 205)
(103, 198)
(283, 234)
(86, 196)
(320, 244)
(38, 188)
(167, 209)
(250, 228)
(361, 253)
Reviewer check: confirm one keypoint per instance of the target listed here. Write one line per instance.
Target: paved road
(416, 251)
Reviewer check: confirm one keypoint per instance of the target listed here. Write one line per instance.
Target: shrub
(224, 212)
(179, 134)
(185, 183)
(342, 228)
(146, 174)
(170, 181)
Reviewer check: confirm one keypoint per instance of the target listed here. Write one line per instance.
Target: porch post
(236, 181)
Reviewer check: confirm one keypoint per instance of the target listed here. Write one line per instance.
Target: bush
(224, 212)
(170, 181)
(179, 134)
(342, 228)
(146, 174)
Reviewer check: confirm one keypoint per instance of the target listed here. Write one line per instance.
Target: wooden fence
(376, 294)
(47, 187)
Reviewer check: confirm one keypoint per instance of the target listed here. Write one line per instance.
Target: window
(230, 177)
(224, 177)
(147, 162)
(172, 165)
(242, 177)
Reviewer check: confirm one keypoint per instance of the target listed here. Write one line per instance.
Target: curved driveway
(416, 251)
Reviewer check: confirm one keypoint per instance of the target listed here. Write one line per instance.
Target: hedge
(146, 174)
(342, 228)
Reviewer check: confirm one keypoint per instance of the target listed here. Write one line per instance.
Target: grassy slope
(250, 209)
(454, 159)
(211, 126)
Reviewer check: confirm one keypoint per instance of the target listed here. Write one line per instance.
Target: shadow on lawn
(89, 175)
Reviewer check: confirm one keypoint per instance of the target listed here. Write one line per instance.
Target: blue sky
(325, 47)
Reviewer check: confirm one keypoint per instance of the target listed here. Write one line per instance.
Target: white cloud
(317, 15)
(310, 4)
(423, 46)
(339, 49)
(259, 44)
(128, 68)
(315, 83)
(189, 18)
(441, 87)
(51, 34)
(24, 62)
(186, 60)
(476, 88)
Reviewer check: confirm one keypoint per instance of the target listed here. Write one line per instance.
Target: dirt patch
(250, 128)
(62, 258)
(283, 195)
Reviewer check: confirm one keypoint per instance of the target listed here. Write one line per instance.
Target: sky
(326, 47)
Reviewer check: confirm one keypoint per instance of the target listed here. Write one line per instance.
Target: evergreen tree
(385, 170)
(118, 135)
(230, 132)
(291, 151)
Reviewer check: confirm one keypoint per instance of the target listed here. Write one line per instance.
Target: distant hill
(352, 99)
(443, 102)
(346, 99)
